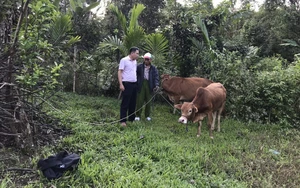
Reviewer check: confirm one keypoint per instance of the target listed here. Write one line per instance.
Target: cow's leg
(214, 120)
(174, 110)
(209, 124)
(176, 101)
(219, 116)
(199, 128)
(172, 99)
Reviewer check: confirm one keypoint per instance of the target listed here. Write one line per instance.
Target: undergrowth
(164, 153)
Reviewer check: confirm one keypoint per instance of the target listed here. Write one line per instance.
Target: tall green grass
(164, 153)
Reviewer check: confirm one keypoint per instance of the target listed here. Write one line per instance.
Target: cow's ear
(196, 109)
(178, 106)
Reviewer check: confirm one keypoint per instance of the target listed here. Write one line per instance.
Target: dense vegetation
(163, 153)
(57, 45)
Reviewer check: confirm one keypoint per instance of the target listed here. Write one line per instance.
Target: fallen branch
(4, 84)
(8, 134)
(20, 169)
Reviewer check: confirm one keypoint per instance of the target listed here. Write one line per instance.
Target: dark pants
(143, 97)
(128, 102)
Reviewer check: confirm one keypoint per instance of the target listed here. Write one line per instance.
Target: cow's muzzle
(183, 120)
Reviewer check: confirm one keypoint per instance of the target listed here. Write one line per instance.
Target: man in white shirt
(128, 85)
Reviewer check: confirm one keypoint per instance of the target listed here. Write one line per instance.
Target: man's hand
(122, 88)
(156, 89)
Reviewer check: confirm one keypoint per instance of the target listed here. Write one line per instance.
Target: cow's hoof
(198, 135)
(212, 137)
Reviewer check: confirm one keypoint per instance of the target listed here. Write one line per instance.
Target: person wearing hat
(148, 82)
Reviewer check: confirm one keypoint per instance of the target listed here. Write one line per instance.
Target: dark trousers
(128, 102)
(143, 97)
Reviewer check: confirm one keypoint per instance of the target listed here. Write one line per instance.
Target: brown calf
(209, 101)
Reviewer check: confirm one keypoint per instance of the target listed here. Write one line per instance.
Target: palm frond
(73, 40)
(199, 22)
(198, 44)
(120, 17)
(156, 43)
(158, 46)
(135, 13)
(73, 5)
(91, 6)
(115, 43)
(56, 3)
(60, 27)
(134, 37)
(289, 42)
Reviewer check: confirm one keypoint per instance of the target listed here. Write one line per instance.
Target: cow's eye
(190, 110)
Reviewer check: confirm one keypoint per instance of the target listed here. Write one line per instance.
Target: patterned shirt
(146, 73)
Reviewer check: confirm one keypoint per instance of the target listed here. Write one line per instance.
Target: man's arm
(120, 79)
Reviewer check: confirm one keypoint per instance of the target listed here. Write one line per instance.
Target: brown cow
(209, 101)
(182, 89)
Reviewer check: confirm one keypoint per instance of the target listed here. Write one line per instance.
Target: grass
(163, 153)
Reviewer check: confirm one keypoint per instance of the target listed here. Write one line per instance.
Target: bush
(265, 92)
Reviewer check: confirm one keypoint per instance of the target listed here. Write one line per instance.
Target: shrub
(266, 91)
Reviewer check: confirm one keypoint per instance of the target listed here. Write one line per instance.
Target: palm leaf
(158, 46)
(91, 6)
(134, 37)
(133, 34)
(120, 17)
(156, 43)
(60, 27)
(73, 40)
(73, 5)
(199, 22)
(135, 13)
(198, 44)
(289, 42)
(115, 43)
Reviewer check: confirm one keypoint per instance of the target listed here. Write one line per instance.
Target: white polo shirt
(129, 69)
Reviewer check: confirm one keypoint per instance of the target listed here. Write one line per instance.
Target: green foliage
(115, 43)
(151, 18)
(6, 182)
(268, 30)
(265, 91)
(279, 91)
(42, 42)
(199, 22)
(80, 6)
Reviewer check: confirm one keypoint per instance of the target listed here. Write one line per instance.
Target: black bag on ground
(54, 166)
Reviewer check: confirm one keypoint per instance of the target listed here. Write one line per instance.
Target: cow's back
(213, 96)
(184, 87)
(190, 86)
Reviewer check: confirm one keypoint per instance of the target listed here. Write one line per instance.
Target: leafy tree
(35, 57)
(267, 30)
(132, 33)
(151, 17)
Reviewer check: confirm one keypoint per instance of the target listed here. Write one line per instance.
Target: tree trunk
(74, 69)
